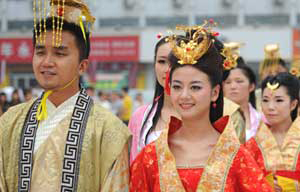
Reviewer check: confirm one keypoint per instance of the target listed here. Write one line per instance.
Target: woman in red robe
(276, 146)
(194, 154)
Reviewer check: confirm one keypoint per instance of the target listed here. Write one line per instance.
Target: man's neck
(58, 97)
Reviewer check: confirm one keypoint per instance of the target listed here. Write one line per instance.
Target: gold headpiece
(273, 86)
(295, 68)
(73, 11)
(190, 49)
(272, 57)
(231, 54)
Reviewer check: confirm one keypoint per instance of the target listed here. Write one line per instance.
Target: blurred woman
(277, 142)
(196, 153)
(239, 86)
(148, 121)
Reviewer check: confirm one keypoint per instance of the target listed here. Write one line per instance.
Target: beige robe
(104, 156)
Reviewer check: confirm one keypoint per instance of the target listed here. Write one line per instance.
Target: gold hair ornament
(271, 59)
(295, 68)
(73, 11)
(189, 51)
(273, 86)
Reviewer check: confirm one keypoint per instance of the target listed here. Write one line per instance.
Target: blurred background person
(126, 106)
(138, 101)
(91, 92)
(15, 98)
(28, 94)
(104, 100)
(116, 103)
(239, 85)
(3, 102)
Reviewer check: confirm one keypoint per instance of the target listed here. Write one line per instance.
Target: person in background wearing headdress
(295, 70)
(276, 145)
(239, 86)
(200, 151)
(271, 65)
(62, 141)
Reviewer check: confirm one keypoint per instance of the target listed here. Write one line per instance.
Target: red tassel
(167, 83)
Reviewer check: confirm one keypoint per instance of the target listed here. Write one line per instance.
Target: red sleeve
(144, 170)
(255, 152)
(249, 176)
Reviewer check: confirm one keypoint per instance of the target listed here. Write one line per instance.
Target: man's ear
(84, 64)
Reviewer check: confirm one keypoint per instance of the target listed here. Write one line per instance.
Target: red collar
(175, 124)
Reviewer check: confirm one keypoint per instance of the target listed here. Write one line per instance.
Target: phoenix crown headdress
(189, 49)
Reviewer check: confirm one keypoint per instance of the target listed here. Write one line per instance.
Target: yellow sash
(287, 184)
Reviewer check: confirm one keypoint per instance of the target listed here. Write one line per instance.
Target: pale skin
(237, 88)
(191, 95)
(277, 106)
(162, 65)
(55, 67)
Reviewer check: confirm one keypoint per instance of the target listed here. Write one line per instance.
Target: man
(127, 106)
(62, 141)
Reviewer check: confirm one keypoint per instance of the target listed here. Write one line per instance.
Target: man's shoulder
(17, 109)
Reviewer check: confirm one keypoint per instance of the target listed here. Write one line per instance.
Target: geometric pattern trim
(74, 140)
(27, 147)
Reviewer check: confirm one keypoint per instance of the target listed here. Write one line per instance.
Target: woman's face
(162, 63)
(191, 92)
(277, 105)
(237, 87)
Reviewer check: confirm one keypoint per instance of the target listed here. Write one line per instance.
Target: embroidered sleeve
(255, 152)
(118, 177)
(2, 178)
(250, 177)
(115, 135)
(143, 170)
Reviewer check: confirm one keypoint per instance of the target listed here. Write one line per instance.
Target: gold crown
(271, 59)
(272, 51)
(190, 49)
(231, 54)
(73, 11)
(295, 67)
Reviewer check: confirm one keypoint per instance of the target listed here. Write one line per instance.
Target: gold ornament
(190, 50)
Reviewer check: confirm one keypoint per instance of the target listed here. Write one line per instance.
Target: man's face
(54, 67)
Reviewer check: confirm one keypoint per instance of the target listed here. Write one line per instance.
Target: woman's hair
(248, 72)
(290, 82)
(211, 63)
(158, 97)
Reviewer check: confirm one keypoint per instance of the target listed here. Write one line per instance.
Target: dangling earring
(214, 105)
(167, 83)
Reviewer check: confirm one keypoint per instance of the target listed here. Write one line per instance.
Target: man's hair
(125, 89)
(82, 44)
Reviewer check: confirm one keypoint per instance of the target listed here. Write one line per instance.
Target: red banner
(296, 43)
(120, 48)
(16, 50)
(103, 49)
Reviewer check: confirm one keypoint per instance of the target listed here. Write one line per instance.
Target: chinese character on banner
(23, 50)
(6, 49)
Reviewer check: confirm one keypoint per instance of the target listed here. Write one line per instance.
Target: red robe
(230, 167)
(283, 161)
